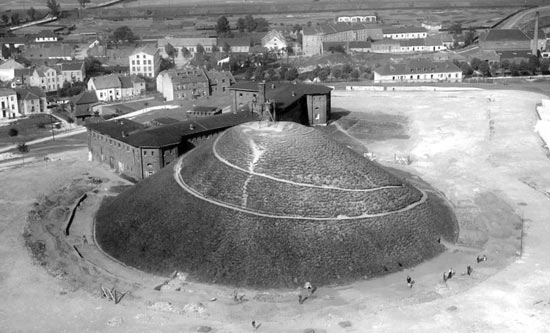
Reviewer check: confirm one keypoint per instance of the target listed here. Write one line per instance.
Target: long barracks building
(138, 152)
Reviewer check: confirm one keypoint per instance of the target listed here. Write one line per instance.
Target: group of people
(450, 273)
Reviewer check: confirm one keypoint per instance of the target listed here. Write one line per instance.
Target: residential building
(274, 40)
(145, 61)
(314, 36)
(386, 46)
(359, 46)
(193, 83)
(189, 43)
(81, 106)
(404, 32)
(31, 100)
(71, 71)
(114, 87)
(45, 36)
(8, 68)
(418, 70)
(356, 19)
(51, 50)
(46, 78)
(504, 40)
(236, 45)
(8, 104)
(307, 104)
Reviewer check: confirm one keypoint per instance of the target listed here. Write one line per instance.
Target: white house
(8, 104)
(145, 61)
(46, 78)
(274, 40)
(7, 69)
(405, 32)
(45, 36)
(114, 87)
(418, 70)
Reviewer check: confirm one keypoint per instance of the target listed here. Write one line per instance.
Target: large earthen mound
(273, 206)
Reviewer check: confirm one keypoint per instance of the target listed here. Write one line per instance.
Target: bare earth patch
(477, 148)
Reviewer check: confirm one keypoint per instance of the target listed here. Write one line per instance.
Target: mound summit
(273, 206)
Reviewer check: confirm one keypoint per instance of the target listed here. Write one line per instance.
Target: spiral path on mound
(253, 171)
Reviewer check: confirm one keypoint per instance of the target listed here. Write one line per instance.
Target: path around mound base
(179, 179)
(451, 149)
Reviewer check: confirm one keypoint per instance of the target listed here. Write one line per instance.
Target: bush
(13, 131)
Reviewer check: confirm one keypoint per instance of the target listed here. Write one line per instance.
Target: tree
(185, 52)
(355, 74)
(165, 64)
(170, 50)
(469, 37)
(455, 28)
(23, 149)
(226, 47)
(261, 25)
(5, 51)
(259, 74)
(484, 68)
(31, 13)
(6, 19)
(93, 67)
(241, 24)
(200, 49)
(249, 73)
(544, 65)
(54, 7)
(533, 64)
(83, 3)
(337, 73)
(249, 23)
(222, 27)
(123, 34)
(291, 74)
(15, 18)
(475, 63)
(347, 68)
(466, 69)
(13, 131)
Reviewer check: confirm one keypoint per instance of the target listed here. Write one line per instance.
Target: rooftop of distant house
(499, 35)
(418, 66)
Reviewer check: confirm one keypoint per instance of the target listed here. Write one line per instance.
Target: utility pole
(51, 123)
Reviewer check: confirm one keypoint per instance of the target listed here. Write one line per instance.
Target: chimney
(535, 42)
(261, 93)
(273, 86)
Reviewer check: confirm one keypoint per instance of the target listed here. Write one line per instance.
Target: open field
(477, 148)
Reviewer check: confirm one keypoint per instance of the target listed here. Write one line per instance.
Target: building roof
(418, 66)
(30, 93)
(514, 54)
(174, 133)
(45, 34)
(106, 81)
(359, 44)
(118, 129)
(187, 42)
(85, 97)
(214, 75)
(403, 30)
(7, 92)
(126, 82)
(284, 94)
(71, 66)
(500, 35)
(412, 42)
(273, 34)
(11, 64)
(147, 49)
(332, 28)
(234, 41)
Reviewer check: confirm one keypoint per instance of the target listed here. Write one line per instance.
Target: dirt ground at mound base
(478, 148)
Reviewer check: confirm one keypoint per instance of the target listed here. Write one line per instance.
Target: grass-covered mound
(159, 226)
